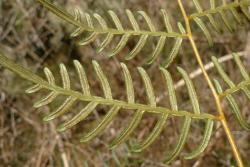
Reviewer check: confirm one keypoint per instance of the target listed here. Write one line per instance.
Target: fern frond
(94, 31)
(73, 96)
(233, 88)
(233, 7)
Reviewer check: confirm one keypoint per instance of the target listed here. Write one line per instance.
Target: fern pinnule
(84, 113)
(83, 78)
(233, 88)
(221, 10)
(94, 31)
(73, 96)
(152, 102)
(181, 141)
(187, 122)
(177, 45)
(102, 125)
(206, 137)
(124, 135)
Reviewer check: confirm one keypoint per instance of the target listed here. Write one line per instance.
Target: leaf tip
(37, 105)
(61, 128)
(48, 118)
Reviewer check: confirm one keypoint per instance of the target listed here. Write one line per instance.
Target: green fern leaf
(140, 44)
(241, 67)
(170, 87)
(233, 88)
(206, 32)
(62, 109)
(82, 77)
(78, 117)
(102, 125)
(232, 7)
(115, 105)
(161, 122)
(181, 141)
(129, 84)
(152, 136)
(127, 131)
(234, 106)
(226, 78)
(103, 79)
(204, 143)
(191, 91)
(175, 49)
(93, 32)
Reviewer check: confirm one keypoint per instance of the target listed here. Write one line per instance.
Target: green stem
(30, 76)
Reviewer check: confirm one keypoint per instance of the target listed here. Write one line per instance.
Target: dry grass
(35, 38)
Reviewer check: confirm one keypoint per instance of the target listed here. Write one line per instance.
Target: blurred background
(35, 39)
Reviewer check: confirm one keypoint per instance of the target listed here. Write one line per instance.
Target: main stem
(211, 86)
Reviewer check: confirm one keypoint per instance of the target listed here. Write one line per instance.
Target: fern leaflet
(221, 10)
(93, 31)
(115, 105)
(233, 88)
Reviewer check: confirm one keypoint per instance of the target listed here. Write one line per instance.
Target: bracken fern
(115, 105)
(85, 26)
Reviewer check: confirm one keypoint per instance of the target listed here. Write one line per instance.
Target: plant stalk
(30, 76)
(211, 86)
